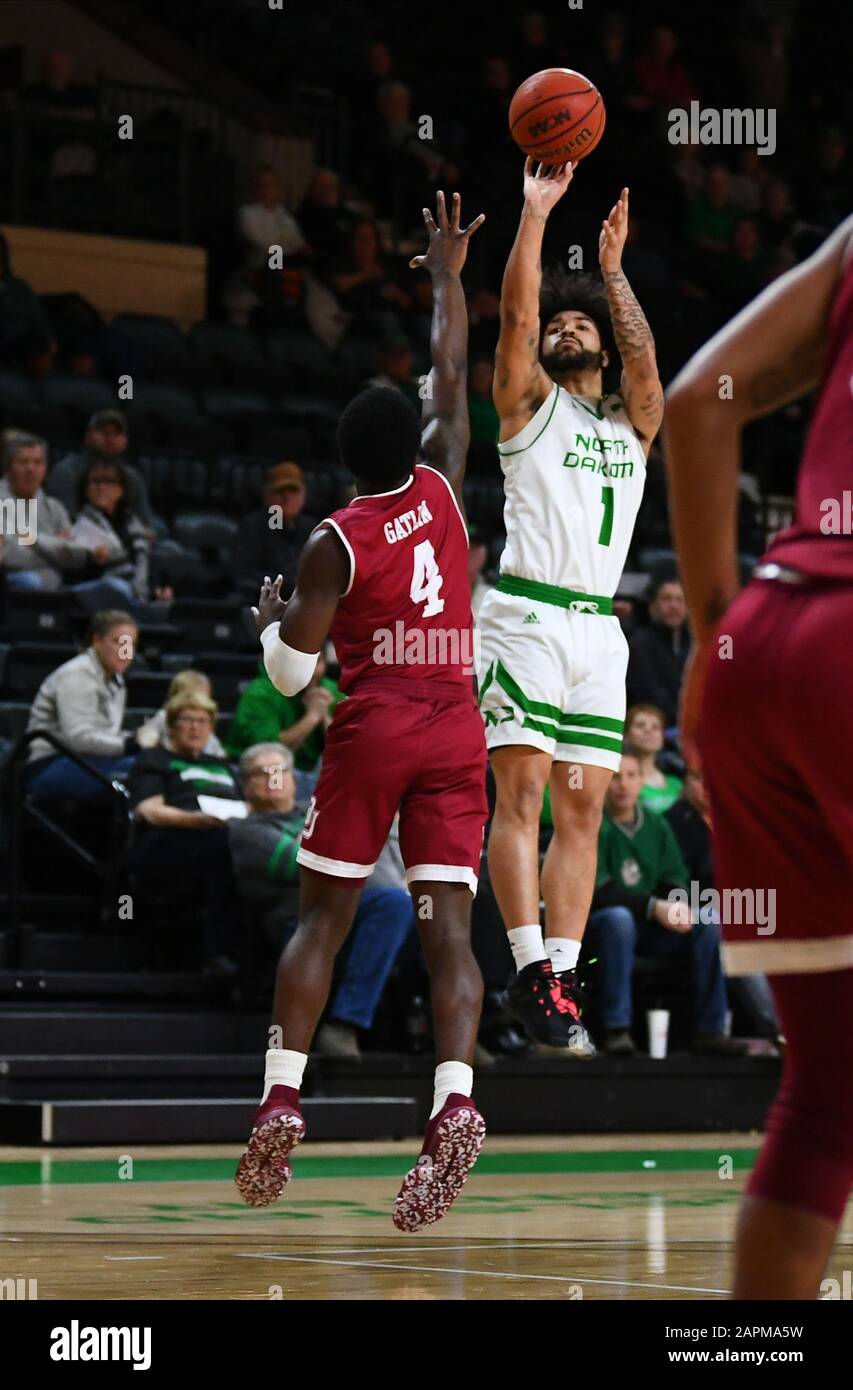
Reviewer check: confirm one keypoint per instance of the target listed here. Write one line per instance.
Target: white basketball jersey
(574, 479)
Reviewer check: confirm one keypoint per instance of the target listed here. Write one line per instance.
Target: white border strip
(327, 521)
(442, 873)
(339, 868)
(806, 956)
(447, 483)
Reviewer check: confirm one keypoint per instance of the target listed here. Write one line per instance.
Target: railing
(23, 806)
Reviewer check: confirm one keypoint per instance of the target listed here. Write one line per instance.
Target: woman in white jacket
(115, 537)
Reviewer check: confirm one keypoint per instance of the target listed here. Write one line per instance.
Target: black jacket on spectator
(180, 781)
(656, 665)
(262, 549)
(694, 841)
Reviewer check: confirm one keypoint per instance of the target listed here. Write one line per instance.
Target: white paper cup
(658, 1021)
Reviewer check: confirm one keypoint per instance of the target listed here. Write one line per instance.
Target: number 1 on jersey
(427, 579)
(607, 520)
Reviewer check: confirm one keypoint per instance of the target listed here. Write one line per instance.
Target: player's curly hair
(563, 289)
(379, 435)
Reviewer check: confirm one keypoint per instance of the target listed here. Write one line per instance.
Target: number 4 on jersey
(427, 579)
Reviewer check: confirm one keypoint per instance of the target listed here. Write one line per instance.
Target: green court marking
(59, 1172)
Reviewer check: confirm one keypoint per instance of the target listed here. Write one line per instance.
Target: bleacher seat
(235, 407)
(174, 479)
(50, 422)
(148, 688)
(13, 719)
(301, 357)
(209, 531)
(207, 624)
(79, 396)
(204, 437)
(27, 664)
(39, 615)
(238, 482)
(165, 402)
(16, 390)
(282, 442)
(237, 355)
(168, 355)
(229, 672)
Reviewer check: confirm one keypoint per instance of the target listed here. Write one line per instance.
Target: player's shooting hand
(271, 605)
(614, 230)
(448, 240)
(545, 184)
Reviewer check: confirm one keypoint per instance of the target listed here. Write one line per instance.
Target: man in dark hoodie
(659, 650)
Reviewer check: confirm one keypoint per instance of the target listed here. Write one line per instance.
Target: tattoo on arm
(630, 326)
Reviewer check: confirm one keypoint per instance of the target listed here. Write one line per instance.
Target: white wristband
(288, 669)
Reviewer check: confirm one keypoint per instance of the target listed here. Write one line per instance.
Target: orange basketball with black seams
(557, 115)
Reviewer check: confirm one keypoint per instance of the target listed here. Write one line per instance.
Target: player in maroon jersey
(767, 702)
(387, 579)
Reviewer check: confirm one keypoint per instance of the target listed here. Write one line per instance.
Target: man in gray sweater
(82, 704)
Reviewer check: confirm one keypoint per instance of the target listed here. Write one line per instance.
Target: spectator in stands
(639, 864)
(154, 732)
(115, 537)
(105, 441)
(57, 93)
(777, 217)
(712, 217)
(690, 818)
(745, 269)
(364, 286)
(662, 77)
(265, 222)
(182, 799)
(410, 160)
(659, 650)
(825, 190)
(26, 337)
(397, 370)
(481, 407)
(298, 722)
(325, 221)
(82, 704)
(39, 552)
(263, 848)
(750, 181)
(271, 538)
(644, 731)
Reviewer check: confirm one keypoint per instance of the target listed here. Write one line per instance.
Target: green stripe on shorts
(538, 707)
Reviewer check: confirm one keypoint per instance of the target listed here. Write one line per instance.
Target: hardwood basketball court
(629, 1217)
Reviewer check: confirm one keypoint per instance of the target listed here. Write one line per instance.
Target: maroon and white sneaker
(263, 1172)
(452, 1144)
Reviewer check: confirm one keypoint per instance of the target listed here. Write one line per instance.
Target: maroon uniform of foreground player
(387, 577)
(767, 702)
(410, 733)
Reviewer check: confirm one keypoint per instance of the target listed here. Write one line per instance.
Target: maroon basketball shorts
(776, 740)
(412, 746)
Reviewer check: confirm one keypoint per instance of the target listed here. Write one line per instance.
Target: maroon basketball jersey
(820, 542)
(407, 609)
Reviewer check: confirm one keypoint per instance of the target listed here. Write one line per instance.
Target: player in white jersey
(553, 658)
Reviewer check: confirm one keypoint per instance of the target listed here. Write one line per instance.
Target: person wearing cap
(105, 441)
(271, 538)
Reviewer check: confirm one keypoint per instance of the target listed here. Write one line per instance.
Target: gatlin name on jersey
(403, 525)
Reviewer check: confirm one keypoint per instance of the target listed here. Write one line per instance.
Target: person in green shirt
(644, 730)
(299, 722)
(639, 865)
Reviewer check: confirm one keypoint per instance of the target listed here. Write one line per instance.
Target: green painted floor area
(53, 1172)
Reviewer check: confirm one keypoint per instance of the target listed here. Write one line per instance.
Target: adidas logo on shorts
(531, 618)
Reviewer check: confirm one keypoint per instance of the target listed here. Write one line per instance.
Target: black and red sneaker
(452, 1144)
(548, 1013)
(580, 1043)
(263, 1172)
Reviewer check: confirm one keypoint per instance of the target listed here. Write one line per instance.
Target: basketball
(557, 115)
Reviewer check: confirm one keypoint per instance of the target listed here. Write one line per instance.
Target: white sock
(526, 945)
(563, 952)
(283, 1069)
(451, 1078)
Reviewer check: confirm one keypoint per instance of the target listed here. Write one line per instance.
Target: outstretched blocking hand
(271, 605)
(545, 184)
(614, 230)
(448, 241)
